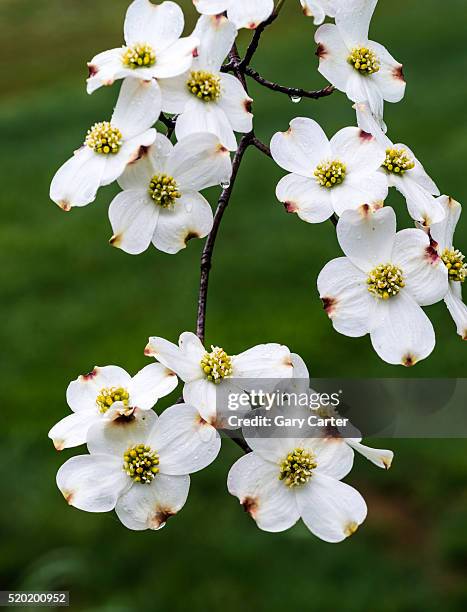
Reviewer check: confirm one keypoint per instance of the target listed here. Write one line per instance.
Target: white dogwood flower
(318, 9)
(109, 393)
(327, 176)
(381, 284)
(160, 202)
(360, 67)
(404, 172)
(285, 479)
(243, 13)
(108, 147)
(140, 467)
(300, 383)
(153, 50)
(205, 372)
(204, 98)
(454, 260)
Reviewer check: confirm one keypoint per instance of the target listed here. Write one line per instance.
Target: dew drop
(295, 99)
(225, 184)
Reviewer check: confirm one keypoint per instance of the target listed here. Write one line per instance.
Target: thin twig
(253, 46)
(292, 92)
(256, 142)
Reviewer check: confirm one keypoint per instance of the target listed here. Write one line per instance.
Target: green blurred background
(70, 301)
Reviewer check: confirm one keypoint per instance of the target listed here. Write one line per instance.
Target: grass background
(70, 301)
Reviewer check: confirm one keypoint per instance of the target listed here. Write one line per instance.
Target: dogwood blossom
(140, 466)
(108, 393)
(381, 284)
(204, 99)
(204, 372)
(153, 50)
(160, 200)
(300, 383)
(318, 9)
(243, 13)
(109, 146)
(404, 172)
(285, 479)
(327, 176)
(443, 234)
(360, 67)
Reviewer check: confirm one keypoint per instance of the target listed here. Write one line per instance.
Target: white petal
(266, 498)
(263, 361)
(200, 116)
(92, 482)
(236, 104)
(422, 206)
(190, 218)
(149, 506)
(457, 308)
(105, 68)
(249, 13)
(359, 190)
(132, 150)
(333, 54)
(199, 161)
(303, 195)
(402, 333)
(425, 275)
(211, 7)
(182, 362)
(133, 216)
(176, 59)
(390, 78)
(358, 150)
(151, 160)
(381, 458)
(138, 107)
(192, 345)
(114, 437)
(443, 232)
(367, 237)
(159, 25)
(72, 430)
(175, 94)
(217, 35)
(313, 8)
(343, 289)
(367, 122)
(202, 395)
(301, 148)
(150, 384)
(331, 509)
(186, 443)
(334, 458)
(418, 173)
(77, 181)
(353, 20)
(82, 393)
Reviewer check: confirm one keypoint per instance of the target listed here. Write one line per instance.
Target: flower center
(216, 365)
(296, 469)
(109, 395)
(454, 262)
(204, 85)
(330, 173)
(398, 161)
(163, 190)
(385, 281)
(104, 138)
(140, 463)
(364, 60)
(139, 56)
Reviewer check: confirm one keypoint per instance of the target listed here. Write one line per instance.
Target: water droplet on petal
(225, 184)
(295, 99)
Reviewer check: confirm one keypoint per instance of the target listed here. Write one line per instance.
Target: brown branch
(292, 92)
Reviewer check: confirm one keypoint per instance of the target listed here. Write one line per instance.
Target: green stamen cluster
(139, 56)
(140, 463)
(364, 60)
(163, 190)
(385, 281)
(109, 396)
(454, 262)
(204, 85)
(330, 173)
(297, 467)
(398, 161)
(104, 138)
(216, 365)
